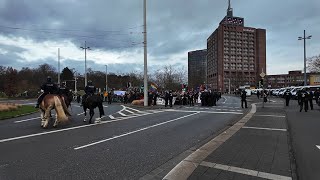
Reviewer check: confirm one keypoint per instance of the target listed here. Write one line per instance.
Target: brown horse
(52, 101)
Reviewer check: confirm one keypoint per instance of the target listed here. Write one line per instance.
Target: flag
(154, 86)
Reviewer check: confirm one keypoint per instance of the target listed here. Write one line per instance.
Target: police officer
(90, 89)
(63, 89)
(310, 97)
(303, 99)
(170, 98)
(48, 88)
(316, 95)
(244, 98)
(287, 96)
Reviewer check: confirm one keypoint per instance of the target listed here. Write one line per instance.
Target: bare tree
(313, 64)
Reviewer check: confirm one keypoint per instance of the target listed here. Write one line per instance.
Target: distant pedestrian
(303, 99)
(287, 96)
(244, 98)
(316, 95)
(310, 97)
(258, 94)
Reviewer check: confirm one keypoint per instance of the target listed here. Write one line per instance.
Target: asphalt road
(126, 145)
(304, 130)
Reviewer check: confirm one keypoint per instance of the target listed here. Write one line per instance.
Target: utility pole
(85, 62)
(59, 67)
(304, 52)
(145, 90)
(106, 78)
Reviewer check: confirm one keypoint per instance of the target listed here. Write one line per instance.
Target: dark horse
(91, 102)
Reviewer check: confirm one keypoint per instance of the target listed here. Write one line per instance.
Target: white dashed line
(26, 120)
(111, 117)
(122, 114)
(318, 146)
(80, 114)
(132, 132)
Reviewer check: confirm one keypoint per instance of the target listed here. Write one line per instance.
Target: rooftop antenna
(229, 11)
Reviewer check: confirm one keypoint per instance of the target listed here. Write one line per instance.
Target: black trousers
(305, 104)
(287, 101)
(311, 104)
(244, 101)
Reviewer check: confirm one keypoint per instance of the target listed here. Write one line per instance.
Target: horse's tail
(59, 109)
(65, 108)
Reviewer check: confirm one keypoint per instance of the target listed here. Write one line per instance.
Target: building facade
(293, 78)
(197, 62)
(235, 54)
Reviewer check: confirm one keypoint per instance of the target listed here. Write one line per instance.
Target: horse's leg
(91, 115)
(85, 113)
(47, 116)
(56, 122)
(42, 117)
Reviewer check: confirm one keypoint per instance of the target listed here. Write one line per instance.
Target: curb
(185, 168)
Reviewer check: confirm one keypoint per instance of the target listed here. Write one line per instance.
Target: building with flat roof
(197, 61)
(235, 53)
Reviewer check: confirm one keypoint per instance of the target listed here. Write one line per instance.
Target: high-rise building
(235, 54)
(197, 62)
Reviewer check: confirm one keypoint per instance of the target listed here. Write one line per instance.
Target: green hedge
(24, 109)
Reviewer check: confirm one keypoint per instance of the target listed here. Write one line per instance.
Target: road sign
(262, 74)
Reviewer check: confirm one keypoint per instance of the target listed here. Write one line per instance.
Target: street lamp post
(85, 62)
(59, 66)
(145, 90)
(106, 78)
(305, 57)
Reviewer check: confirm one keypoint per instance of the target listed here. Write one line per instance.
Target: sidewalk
(256, 147)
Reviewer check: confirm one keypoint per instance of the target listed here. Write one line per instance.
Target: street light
(85, 62)
(305, 58)
(145, 90)
(106, 78)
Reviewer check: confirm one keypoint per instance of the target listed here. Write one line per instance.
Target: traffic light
(261, 83)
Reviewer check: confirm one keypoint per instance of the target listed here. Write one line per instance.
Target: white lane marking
(71, 128)
(132, 109)
(122, 114)
(245, 171)
(76, 105)
(212, 112)
(318, 146)
(26, 120)
(105, 106)
(80, 114)
(270, 129)
(129, 111)
(132, 132)
(225, 100)
(111, 117)
(271, 116)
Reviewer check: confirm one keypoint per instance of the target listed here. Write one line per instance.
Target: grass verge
(18, 111)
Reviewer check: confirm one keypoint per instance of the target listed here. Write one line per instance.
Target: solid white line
(270, 129)
(132, 132)
(245, 171)
(271, 116)
(111, 117)
(318, 146)
(27, 120)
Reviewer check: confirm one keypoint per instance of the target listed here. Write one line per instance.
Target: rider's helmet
(49, 79)
(90, 83)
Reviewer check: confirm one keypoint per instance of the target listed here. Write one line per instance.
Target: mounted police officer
(63, 90)
(48, 88)
(90, 89)
(287, 96)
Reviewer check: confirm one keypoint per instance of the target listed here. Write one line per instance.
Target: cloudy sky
(31, 31)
